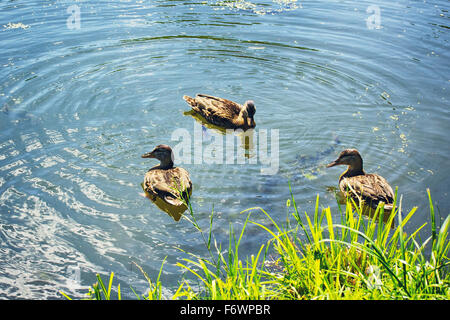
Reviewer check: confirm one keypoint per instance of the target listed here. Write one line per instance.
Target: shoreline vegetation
(318, 257)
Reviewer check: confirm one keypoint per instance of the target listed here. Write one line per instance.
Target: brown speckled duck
(222, 112)
(372, 188)
(163, 183)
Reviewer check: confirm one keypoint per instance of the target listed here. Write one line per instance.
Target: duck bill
(148, 155)
(332, 164)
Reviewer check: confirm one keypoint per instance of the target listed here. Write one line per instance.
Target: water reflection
(176, 212)
(367, 210)
(246, 138)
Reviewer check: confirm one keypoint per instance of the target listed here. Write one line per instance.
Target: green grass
(322, 256)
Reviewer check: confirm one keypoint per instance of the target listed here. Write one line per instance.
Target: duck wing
(372, 188)
(166, 184)
(183, 182)
(214, 109)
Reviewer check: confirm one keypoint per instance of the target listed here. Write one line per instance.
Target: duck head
(163, 153)
(251, 110)
(349, 157)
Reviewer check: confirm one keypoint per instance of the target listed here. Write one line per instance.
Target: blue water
(83, 96)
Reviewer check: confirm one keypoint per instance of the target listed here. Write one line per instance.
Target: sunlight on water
(15, 26)
(276, 6)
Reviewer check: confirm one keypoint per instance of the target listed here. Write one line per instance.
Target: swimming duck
(222, 112)
(369, 187)
(163, 183)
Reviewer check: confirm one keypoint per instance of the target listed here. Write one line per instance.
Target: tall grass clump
(99, 291)
(319, 256)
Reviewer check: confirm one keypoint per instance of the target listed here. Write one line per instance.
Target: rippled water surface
(79, 104)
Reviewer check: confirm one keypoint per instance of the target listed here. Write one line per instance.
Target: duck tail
(189, 100)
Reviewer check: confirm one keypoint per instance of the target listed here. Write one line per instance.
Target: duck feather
(372, 188)
(166, 183)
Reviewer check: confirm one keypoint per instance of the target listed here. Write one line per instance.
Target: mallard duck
(222, 112)
(163, 183)
(354, 182)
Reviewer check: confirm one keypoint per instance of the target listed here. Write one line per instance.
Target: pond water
(86, 87)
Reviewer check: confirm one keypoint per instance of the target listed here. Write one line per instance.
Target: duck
(169, 187)
(359, 185)
(222, 112)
